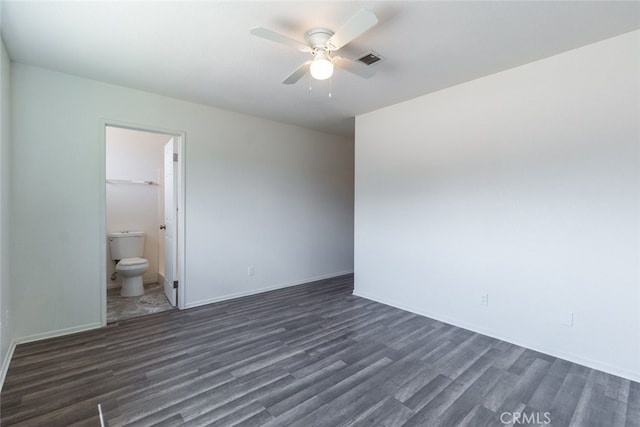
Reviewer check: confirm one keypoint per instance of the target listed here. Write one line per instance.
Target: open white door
(170, 232)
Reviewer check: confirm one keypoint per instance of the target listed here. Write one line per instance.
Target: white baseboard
(265, 289)
(6, 362)
(56, 333)
(595, 364)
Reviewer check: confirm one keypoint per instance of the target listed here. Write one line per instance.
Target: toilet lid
(131, 261)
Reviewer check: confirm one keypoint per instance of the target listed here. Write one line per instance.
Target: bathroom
(135, 216)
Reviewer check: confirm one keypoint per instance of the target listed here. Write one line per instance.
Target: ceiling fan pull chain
(330, 80)
(309, 82)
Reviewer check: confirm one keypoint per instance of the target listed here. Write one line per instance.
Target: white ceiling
(203, 52)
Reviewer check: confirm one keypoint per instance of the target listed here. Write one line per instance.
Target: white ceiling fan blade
(279, 38)
(297, 74)
(354, 67)
(358, 24)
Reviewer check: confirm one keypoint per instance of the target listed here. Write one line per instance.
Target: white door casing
(170, 214)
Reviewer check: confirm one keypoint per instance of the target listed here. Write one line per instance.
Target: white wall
(524, 185)
(135, 155)
(259, 193)
(5, 135)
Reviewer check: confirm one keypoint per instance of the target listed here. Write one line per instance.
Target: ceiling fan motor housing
(318, 38)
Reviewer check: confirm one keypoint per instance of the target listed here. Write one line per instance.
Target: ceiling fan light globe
(321, 69)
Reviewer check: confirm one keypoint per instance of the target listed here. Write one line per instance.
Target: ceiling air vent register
(370, 57)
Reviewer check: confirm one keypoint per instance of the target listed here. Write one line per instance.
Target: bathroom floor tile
(120, 308)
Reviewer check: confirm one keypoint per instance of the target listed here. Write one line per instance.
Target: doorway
(143, 170)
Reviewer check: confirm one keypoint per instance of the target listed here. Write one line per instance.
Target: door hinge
(175, 284)
(175, 157)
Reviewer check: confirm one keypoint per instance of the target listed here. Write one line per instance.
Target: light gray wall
(524, 185)
(5, 164)
(259, 193)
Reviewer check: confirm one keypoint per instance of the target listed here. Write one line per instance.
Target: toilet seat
(131, 262)
(131, 266)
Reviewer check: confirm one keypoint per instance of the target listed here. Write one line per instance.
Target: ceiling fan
(321, 43)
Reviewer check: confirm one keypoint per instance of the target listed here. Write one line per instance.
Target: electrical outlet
(251, 271)
(484, 299)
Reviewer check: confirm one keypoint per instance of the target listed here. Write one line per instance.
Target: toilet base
(132, 286)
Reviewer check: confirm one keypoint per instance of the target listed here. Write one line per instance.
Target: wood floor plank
(528, 383)
(427, 392)
(359, 398)
(563, 407)
(321, 397)
(467, 400)
(387, 413)
(632, 418)
(500, 392)
(480, 416)
(308, 355)
(548, 388)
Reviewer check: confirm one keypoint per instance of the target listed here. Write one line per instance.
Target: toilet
(127, 248)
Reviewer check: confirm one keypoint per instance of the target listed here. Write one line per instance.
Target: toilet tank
(126, 244)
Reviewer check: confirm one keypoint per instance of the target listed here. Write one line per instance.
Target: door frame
(180, 136)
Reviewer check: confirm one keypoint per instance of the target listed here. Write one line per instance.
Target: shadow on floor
(120, 308)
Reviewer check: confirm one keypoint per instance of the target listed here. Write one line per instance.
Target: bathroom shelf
(130, 181)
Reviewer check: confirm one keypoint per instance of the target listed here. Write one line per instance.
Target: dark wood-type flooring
(310, 355)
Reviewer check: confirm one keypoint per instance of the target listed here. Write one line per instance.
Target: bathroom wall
(135, 155)
(272, 195)
(523, 186)
(5, 174)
